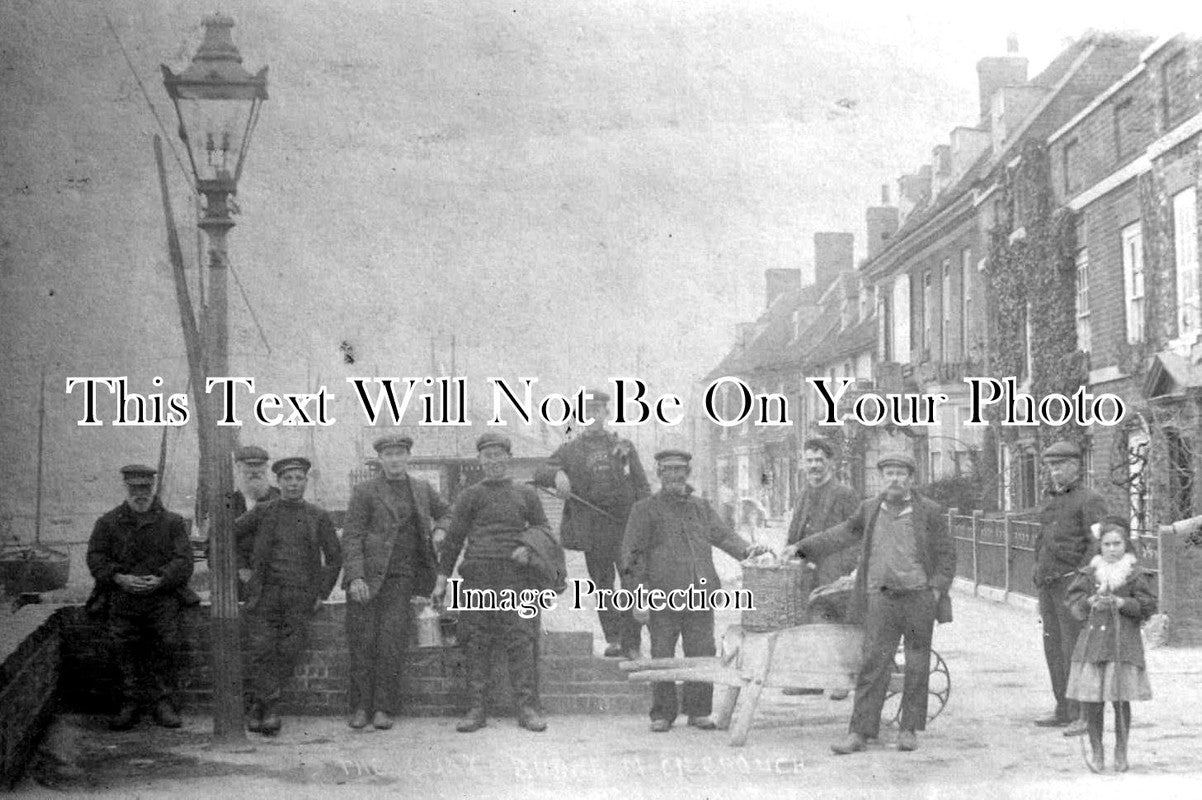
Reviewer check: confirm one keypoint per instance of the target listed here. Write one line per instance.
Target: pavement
(982, 745)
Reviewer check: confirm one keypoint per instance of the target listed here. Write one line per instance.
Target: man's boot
(165, 715)
(1122, 727)
(531, 720)
(126, 718)
(473, 720)
(271, 720)
(854, 743)
(1093, 727)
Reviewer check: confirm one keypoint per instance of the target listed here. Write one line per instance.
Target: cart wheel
(939, 688)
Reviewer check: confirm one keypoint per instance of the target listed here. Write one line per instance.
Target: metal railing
(999, 551)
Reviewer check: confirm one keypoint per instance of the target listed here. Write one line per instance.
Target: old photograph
(578, 399)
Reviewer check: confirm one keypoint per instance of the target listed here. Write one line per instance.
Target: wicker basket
(781, 594)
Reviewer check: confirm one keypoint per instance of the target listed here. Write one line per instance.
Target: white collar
(1112, 576)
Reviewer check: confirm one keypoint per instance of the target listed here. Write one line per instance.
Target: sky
(566, 191)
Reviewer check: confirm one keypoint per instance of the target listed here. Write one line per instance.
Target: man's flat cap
(393, 440)
(138, 474)
(292, 462)
(598, 396)
(1062, 450)
(820, 443)
(251, 454)
(898, 460)
(673, 457)
(491, 439)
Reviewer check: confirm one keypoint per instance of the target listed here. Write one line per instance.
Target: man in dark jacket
(294, 562)
(141, 558)
(493, 518)
(669, 546)
(599, 476)
(1064, 545)
(388, 536)
(907, 563)
(825, 502)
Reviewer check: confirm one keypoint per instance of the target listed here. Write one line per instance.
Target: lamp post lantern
(218, 102)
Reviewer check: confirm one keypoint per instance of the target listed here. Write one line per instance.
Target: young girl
(1113, 596)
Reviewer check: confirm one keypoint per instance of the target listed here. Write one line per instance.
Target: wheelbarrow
(814, 656)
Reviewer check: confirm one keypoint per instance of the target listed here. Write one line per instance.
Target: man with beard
(825, 502)
(491, 518)
(391, 523)
(251, 474)
(294, 559)
(907, 562)
(141, 558)
(599, 477)
(1064, 545)
(668, 546)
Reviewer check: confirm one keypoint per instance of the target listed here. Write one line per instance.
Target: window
(928, 307)
(901, 319)
(886, 325)
(1083, 329)
(945, 305)
(1174, 89)
(1072, 167)
(1181, 476)
(1028, 480)
(1124, 135)
(1133, 281)
(965, 299)
(1185, 246)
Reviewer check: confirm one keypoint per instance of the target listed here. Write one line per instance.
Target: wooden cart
(815, 656)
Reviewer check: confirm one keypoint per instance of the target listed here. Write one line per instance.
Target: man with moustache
(251, 472)
(141, 558)
(391, 523)
(599, 477)
(907, 562)
(668, 546)
(294, 558)
(825, 502)
(1064, 545)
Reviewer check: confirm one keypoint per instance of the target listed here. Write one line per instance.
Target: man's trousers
(278, 624)
(377, 635)
(893, 617)
(1060, 632)
(695, 630)
(146, 640)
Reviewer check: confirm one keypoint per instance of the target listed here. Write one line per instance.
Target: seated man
(141, 558)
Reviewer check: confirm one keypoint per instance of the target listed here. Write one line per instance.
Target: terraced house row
(1056, 241)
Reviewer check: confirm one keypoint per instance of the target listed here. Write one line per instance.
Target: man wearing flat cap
(141, 558)
(292, 551)
(388, 536)
(250, 463)
(668, 546)
(825, 502)
(493, 525)
(907, 563)
(599, 476)
(1064, 545)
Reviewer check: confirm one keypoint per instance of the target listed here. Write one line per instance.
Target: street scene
(629, 399)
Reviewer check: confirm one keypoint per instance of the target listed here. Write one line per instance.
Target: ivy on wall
(1032, 270)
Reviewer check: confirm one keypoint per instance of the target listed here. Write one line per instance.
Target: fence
(999, 551)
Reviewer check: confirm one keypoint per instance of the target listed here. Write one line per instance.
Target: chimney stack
(833, 254)
(880, 223)
(996, 72)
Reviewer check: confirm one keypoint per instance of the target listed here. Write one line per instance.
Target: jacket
(821, 508)
(935, 546)
(1101, 639)
(669, 540)
(369, 532)
(604, 470)
(157, 546)
(1065, 543)
(260, 528)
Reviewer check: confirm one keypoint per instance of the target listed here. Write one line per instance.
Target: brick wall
(29, 647)
(573, 681)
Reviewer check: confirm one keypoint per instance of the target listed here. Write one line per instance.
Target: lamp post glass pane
(215, 131)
